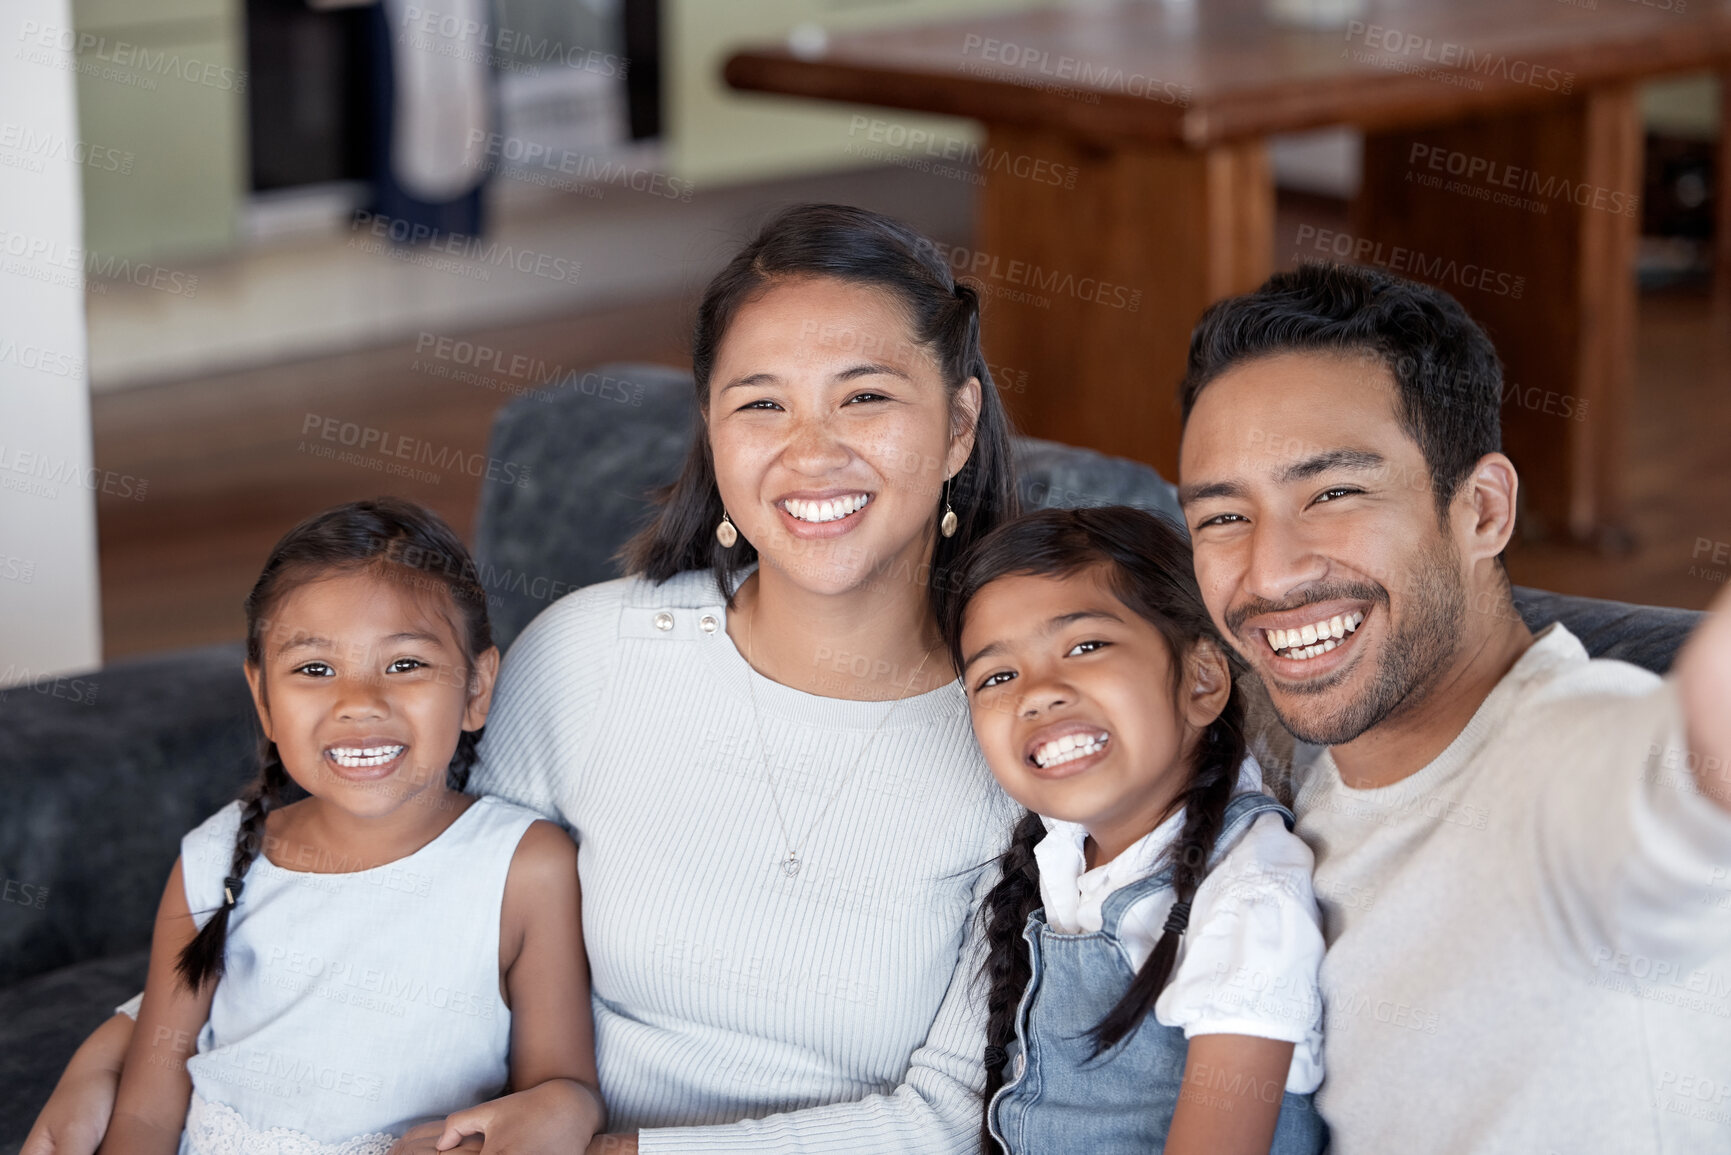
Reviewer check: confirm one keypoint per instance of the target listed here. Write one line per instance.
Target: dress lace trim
(218, 1129)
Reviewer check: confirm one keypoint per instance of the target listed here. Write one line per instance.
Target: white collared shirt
(1247, 964)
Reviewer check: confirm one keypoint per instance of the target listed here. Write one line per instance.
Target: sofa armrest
(104, 773)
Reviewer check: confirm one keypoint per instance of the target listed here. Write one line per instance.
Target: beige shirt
(1530, 938)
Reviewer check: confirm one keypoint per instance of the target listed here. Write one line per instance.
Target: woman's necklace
(791, 864)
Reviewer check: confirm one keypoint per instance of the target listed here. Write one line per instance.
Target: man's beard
(1413, 657)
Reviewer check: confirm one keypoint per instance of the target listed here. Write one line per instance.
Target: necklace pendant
(791, 866)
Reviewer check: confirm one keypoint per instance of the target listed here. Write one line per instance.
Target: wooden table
(1502, 161)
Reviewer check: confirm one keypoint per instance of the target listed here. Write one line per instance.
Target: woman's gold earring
(947, 524)
(725, 533)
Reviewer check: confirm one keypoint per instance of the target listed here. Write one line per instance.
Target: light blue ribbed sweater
(736, 1008)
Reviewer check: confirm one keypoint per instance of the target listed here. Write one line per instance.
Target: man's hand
(1704, 686)
(558, 1116)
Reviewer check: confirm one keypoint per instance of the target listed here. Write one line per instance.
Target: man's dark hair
(1446, 372)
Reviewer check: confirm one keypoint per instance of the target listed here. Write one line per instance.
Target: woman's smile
(828, 513)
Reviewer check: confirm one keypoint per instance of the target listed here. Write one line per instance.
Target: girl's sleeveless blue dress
(352, 1005)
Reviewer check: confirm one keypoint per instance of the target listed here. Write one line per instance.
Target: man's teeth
(1068, 748)
(1309, 641)
(357, 756)
(831, 510)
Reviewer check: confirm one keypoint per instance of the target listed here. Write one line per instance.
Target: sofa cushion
(588, 452)
(1645, 636)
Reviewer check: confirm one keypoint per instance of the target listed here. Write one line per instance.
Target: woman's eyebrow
(868, 369)
(751, 379)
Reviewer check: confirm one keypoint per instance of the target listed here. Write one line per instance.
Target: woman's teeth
(832, 510)
(1309, 641)
(359, 756)
(1068, 748)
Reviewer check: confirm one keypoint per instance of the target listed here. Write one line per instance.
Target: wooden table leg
(1093, 283)
(1530, 220)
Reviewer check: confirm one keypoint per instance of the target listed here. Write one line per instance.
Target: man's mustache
(1322, 592)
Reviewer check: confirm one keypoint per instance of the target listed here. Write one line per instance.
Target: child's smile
(1076, 704)
(363, 760)
(1066, 748)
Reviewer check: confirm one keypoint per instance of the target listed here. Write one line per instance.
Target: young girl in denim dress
(1154, 940)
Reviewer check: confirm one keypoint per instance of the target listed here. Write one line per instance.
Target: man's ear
(1206, 685)
(481, 681)
(1484, 511)
(964, 423)
(255, 682)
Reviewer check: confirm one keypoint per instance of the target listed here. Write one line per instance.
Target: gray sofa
(102, 779)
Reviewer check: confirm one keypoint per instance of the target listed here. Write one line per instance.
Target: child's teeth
(1068, 748)
(364, 755)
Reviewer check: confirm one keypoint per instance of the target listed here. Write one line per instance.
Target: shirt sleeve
(1636, 857)
(1250, 958)
(549, 685)
(936, 1109)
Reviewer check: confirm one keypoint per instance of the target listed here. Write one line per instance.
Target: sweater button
(664, 621)
(708, 623)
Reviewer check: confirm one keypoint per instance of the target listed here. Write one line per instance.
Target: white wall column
(50, 608)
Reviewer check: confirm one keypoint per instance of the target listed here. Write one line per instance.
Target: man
(1521, 854)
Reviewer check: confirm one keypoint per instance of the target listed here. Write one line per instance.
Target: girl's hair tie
(1178, 919)
(231, 888)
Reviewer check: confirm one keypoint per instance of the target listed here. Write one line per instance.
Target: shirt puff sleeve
(1248, 963)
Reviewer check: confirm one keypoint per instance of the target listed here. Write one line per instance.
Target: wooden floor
(228, 463)
(228, 466)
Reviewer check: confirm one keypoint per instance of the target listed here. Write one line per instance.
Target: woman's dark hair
(1147, 564)
(858, 247)
(398, 541)
(1447, 378)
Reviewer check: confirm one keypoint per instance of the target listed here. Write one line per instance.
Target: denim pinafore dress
(1121, 1102)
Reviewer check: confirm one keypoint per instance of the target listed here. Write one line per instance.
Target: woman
(783, 818)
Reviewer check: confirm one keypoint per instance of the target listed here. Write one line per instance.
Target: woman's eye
(1085, 648)
(315, 670)
(866, 397)
(760, 403)
(996, 679)
(403, 665)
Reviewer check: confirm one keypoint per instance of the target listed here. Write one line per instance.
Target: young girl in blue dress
(356, 946)
(1154, 940)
